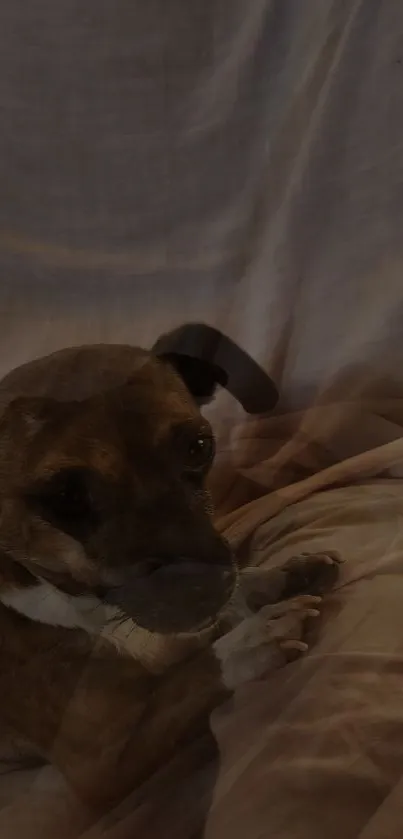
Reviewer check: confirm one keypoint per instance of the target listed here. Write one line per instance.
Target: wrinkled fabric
(221, 161)
(242, 164)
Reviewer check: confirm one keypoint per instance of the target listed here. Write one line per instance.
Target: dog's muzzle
(174, 595)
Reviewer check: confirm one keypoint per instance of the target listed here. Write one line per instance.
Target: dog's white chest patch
(46, 604)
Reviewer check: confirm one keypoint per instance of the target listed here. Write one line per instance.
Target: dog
(123, 617)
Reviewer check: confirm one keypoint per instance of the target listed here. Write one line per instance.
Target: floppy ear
(205, 358)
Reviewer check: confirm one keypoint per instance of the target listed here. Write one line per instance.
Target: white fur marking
(46, 604)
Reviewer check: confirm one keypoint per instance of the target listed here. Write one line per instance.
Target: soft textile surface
(237, 162)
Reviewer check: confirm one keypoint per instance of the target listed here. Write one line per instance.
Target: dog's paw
(265, 641)
(310, 573)
(303, 574)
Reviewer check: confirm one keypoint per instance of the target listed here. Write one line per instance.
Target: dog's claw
(328, 557)
(308, 599)
(300, 646)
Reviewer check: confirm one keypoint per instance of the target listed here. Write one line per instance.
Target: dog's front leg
(100, 717)
(265, 641)
(106, 722)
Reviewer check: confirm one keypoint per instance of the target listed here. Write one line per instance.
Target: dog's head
(106, 496)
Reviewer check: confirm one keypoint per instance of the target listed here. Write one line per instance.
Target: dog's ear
(205, 358)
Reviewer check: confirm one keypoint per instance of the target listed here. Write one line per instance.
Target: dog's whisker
(45, 595)
(96, 607)
(116, 621)
(131, 630)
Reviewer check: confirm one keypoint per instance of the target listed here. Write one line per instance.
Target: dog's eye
(64, 496)
(200, 453)
(70, 495)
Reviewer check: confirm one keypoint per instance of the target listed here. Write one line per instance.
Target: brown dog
(113, 580)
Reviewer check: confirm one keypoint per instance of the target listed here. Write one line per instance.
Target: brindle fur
(107, 720)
